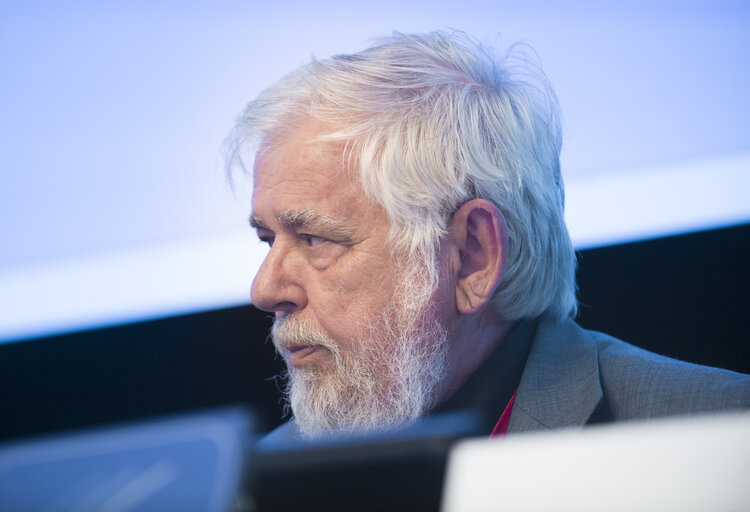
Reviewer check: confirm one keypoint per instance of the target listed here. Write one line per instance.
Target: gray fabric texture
(574, 377)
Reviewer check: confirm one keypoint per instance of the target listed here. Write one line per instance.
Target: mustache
(291, 331)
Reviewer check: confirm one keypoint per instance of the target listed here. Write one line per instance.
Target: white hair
(429, 122)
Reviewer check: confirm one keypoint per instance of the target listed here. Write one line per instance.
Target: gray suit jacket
(575, 377)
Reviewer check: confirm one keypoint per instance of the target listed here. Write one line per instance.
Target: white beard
(388, 378)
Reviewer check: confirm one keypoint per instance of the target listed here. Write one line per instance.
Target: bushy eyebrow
(256, 223)
(308, 220)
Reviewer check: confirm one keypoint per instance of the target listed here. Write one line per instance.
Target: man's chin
(324, 404)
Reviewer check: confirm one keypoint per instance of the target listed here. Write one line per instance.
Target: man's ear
(478, 231)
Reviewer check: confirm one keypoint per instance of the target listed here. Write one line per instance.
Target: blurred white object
(677, 464)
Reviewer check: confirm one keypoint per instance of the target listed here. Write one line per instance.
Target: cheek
(364, 277)
(348, 304)
(371, 286)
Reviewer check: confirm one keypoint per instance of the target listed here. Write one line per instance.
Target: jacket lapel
(560, 385)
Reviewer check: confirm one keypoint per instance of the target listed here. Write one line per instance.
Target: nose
(277, 287)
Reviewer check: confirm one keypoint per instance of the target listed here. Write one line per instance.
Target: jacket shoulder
(640, 384)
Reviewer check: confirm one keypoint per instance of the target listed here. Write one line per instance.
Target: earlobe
(479, 232)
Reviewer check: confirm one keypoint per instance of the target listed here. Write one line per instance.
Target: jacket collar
(560, 385)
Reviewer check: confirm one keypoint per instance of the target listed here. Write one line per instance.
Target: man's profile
(412, 199)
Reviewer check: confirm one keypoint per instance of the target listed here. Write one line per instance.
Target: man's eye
(313, 240)
(267, 240)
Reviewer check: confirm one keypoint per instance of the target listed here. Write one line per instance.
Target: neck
(472, 341)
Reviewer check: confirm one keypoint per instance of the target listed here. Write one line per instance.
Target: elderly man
(412, 200)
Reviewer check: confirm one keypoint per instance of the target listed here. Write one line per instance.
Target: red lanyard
(501, 427)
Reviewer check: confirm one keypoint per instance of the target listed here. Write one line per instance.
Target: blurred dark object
(402, 470)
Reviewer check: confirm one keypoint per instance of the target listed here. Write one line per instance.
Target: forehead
(300, 172)
(296, 154)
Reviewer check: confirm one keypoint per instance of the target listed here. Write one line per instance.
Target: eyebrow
(308, 219)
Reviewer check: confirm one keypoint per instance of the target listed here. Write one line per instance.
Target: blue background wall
(113, 202)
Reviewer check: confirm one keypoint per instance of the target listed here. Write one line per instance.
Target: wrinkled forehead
(300, 172)
(303, 148)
